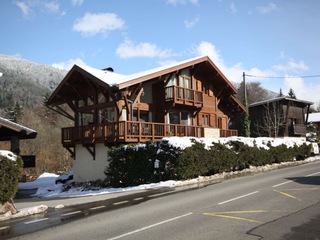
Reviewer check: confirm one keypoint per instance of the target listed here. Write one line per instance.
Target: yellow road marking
(301, 189)
(226, 214)
(288, 195)
(232, 217)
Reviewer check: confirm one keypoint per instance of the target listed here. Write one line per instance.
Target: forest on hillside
(24, 89)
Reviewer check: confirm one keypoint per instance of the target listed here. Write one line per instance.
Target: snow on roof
(106, 76)
(279, 99)
(29, 133)
(314, 117)
(113, 79)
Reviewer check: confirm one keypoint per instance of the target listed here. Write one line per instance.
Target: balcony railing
(128, 131)
(184, 96)
(299, 129)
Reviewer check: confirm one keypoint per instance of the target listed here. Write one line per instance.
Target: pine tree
(245, 121)
(292, 94)
(280, 93)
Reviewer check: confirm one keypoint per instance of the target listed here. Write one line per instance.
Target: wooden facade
(190, 98)
(279, 117)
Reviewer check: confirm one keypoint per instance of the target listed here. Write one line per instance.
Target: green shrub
(134, 164)
(131, 165)
(193, 161)
(10, 172)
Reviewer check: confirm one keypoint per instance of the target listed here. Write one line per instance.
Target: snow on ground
(8, 154)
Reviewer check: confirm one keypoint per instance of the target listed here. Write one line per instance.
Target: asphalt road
(282, 204)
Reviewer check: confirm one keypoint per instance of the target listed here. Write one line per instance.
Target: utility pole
(244, 86)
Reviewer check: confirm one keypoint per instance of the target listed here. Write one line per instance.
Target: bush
(10, 172)
(134, 164)
(131, 165)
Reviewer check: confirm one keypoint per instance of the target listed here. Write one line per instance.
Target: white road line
(242, 196)
(150, 226)
(312, 174)
(36, 220)
(96, 208)
(71, 213)
(118, 203)
(4, 228)
(280, 184)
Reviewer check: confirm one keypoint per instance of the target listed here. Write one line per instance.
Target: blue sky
(278, 39)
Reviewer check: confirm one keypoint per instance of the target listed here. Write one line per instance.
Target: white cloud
(292, 66)
(77, 2)
(93, 23)
(67, 65)
(32, 6)
(23, 7)
(128, 49)
(192, 23)
(1, 74)
(267, 9)
(302, 90)
(233, 8)
(176, 2)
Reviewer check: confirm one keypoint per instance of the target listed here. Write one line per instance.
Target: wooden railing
(128, 131)
(299, 129)
(184, 96)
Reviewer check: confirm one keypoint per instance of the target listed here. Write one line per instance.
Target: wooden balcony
(228, 133)
(184, 96)
(130, 132)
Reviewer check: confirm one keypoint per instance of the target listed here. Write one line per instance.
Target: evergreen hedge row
(132, 165)
(10, 172)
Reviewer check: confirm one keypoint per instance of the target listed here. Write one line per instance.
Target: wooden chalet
(189, 98)
(279, 117)
(13, 132)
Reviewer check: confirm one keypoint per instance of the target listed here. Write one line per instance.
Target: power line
(310, 76)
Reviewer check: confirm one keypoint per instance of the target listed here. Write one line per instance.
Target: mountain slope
(26, 82)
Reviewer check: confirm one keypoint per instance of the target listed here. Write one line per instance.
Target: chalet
(13, 132)
(189, 98)
(279, 117)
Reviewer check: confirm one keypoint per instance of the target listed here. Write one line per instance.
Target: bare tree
(255, 93)
(272, 120)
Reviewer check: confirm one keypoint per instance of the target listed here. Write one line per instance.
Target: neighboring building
(13, 132)
(314, 118)
(189, 98)
(279, 117)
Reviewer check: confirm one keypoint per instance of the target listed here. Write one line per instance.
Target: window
(174, 118)
(205, 119)
(183, 118)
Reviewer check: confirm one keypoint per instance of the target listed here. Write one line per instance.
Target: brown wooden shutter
(212, 120)
(199, 85)
(211, 90)
(199, 119)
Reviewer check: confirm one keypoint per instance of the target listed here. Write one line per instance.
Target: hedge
(132, 165)
(10, 172)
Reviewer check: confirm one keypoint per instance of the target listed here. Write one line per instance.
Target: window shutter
(211, 90)
(200, 119)
(199, 85)
(212, 120)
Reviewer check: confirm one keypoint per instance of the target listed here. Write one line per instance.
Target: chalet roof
(314, 117)
(9, 129)
(111, 79)
(278, 99)
(122, 81)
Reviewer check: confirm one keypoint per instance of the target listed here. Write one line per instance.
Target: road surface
(281, 204)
